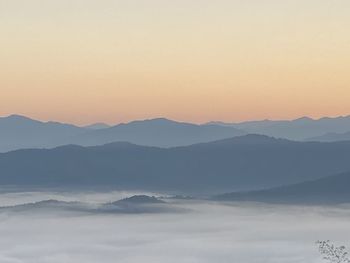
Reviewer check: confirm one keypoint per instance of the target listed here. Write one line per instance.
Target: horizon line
(172, 119)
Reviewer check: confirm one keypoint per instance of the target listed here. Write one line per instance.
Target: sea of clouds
(204, 232)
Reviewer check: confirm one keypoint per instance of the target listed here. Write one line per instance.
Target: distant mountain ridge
(133, 204)
(19, 132)
(299, 129)
(332, 137)
(159, 132)
(246, 162)
(330, 189)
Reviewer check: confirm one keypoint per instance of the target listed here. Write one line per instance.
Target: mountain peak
(305, 118)
(17, 117)
(140, 199)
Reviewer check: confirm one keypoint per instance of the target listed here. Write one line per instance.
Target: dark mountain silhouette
(157, 132)
(332, 137)
(21, 132)
(247, 162)
(330, 189)
(299, 129)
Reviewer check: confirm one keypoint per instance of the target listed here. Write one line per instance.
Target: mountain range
(332, 137)
(300, 129)
(159, 132)
(330, 189)
(244, 162)
(18, 132)
(133, 204)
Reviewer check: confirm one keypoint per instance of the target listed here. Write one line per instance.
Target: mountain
(139, 200)
(332, 137)
(49, 205)
(299, 129)
(134, 204)
(157, 132)
(21, 132)
(246, 162)
(97, 126)
(330, 189)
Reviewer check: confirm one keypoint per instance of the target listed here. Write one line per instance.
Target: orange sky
(83, 61)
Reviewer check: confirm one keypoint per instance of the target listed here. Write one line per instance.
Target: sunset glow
(83, 61)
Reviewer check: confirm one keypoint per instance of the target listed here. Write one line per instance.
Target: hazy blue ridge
(246, 162)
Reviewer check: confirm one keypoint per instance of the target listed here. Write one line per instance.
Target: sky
(83, 61)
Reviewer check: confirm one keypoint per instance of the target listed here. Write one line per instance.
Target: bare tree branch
(332, 253)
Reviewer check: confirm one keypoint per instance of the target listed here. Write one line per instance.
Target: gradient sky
(83, 61)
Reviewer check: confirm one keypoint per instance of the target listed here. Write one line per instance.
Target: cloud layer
(210, 232)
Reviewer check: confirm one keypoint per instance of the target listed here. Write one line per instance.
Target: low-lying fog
(203, 232)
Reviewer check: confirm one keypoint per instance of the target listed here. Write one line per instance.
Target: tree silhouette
(331, 253)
